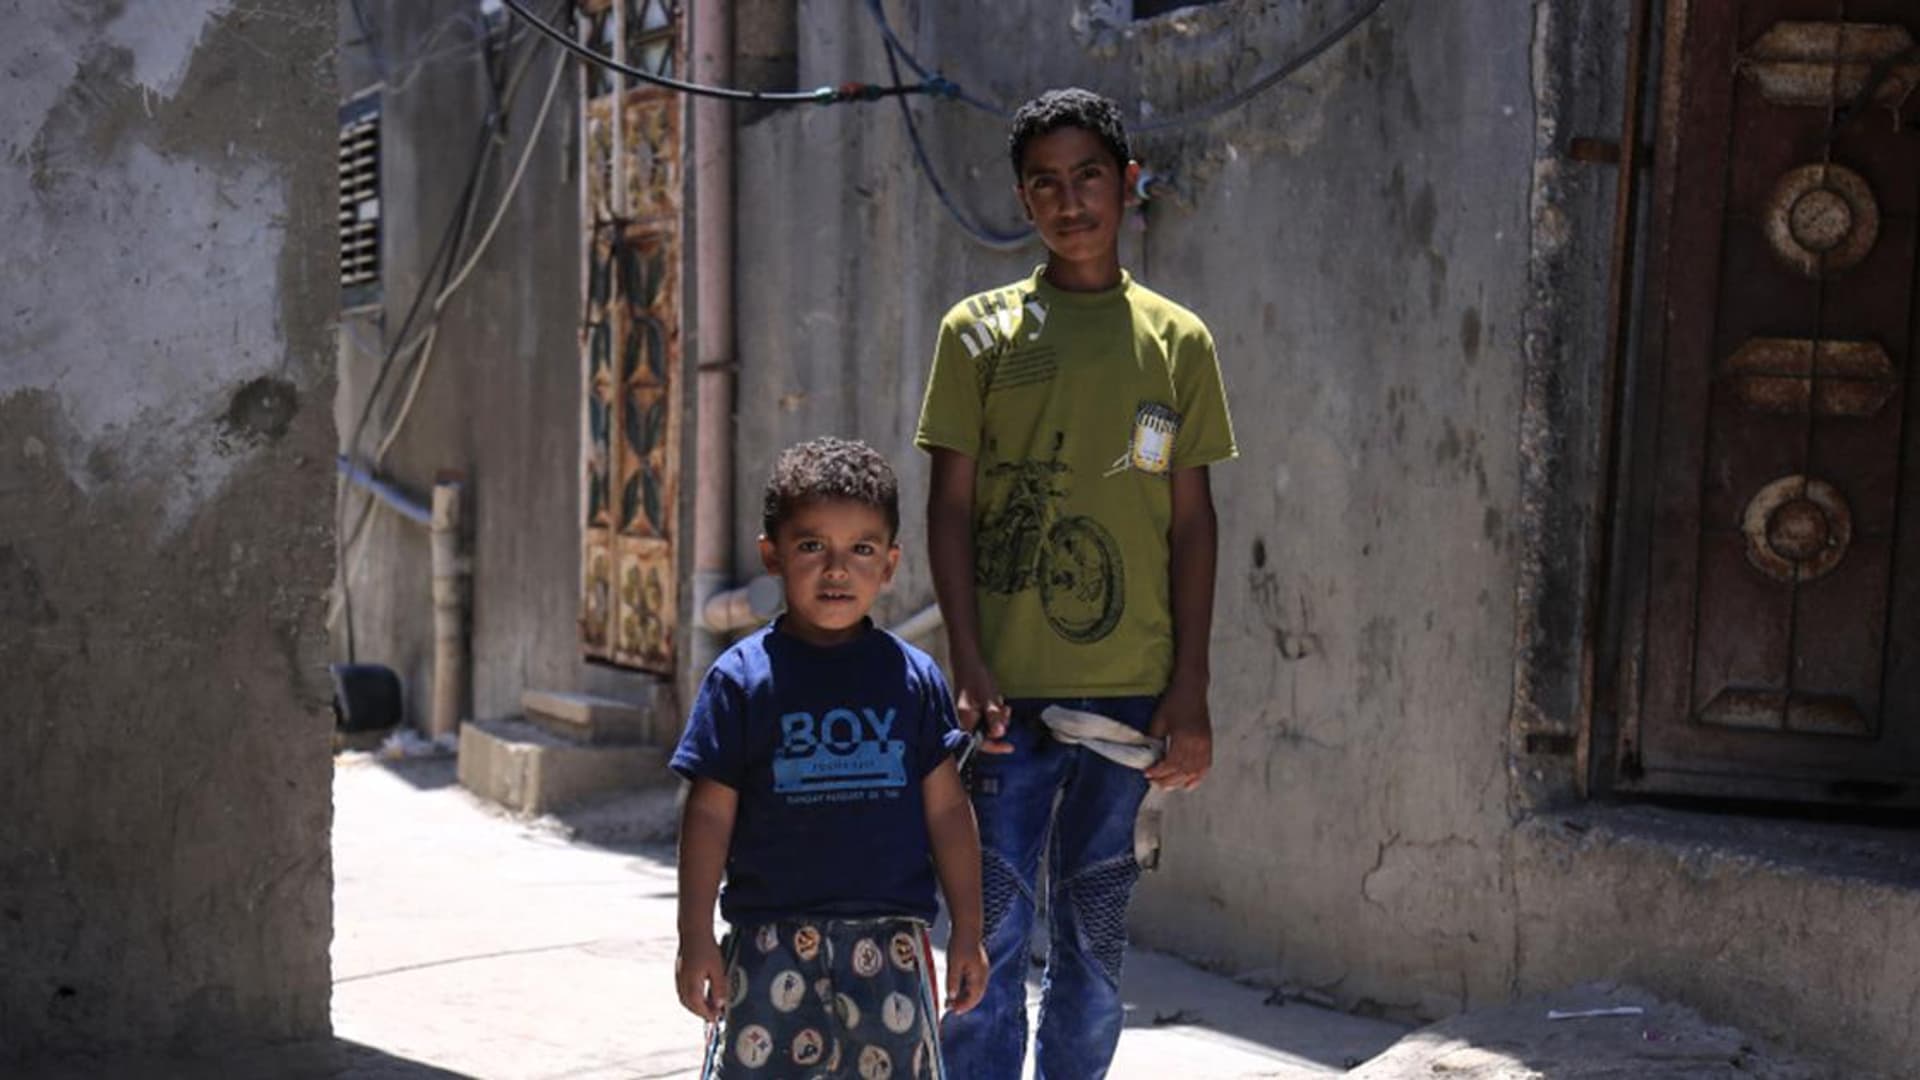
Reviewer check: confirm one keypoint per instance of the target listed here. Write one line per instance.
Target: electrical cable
(1313, 52)
(457, 228)
(347, 537)
(411, 70)
(419, 349)
(878, 10)
(1206, 112)
(897, 51)
(425, 340)
(825, 95)
(442, 264)
(985, 237)
(473, 260)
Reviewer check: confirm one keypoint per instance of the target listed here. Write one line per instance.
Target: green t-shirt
(1074, 408)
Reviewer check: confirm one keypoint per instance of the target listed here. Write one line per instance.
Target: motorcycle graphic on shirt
(1022, 542)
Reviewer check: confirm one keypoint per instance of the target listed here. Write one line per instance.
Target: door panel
(1777, 471)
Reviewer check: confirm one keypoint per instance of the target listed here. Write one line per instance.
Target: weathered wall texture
(500, 402)
(164, 542)
(1803, 934)
(1357, 242)
(1407, 282)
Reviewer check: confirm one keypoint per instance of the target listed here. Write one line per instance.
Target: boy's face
(1075, 193)
(834, 555)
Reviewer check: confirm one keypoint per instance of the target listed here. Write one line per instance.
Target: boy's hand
(977, 701)
(1182, 719)
(700, 974)
(966, 972)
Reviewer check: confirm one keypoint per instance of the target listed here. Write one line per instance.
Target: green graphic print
(1023, 543)
(1077, 411)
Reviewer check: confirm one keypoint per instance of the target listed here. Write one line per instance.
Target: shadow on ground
(332, 1059)
(1599, 1031)
(423, 773)
(1178, 1014)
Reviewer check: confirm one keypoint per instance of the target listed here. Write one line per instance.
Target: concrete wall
(1800, 932)
(164, 540)
(1358, 243)
(1407, 281)
(1406, 277)
(500, 402)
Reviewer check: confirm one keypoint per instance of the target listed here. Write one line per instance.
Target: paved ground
(491, 948)
(471, 945)
(1524, 1041)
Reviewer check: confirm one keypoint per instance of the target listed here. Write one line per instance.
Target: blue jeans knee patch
(999, 885)
(1099, 895)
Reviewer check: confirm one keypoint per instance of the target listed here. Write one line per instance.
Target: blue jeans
(1091, 873)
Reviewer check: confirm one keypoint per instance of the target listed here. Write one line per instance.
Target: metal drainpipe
(449, 613)
(713, 322)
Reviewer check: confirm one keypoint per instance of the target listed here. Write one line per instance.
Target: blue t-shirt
(827, 748)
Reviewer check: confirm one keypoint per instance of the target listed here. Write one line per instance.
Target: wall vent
(360, 202)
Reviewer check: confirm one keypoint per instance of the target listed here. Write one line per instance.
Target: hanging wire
(411, 71)
(980, 234)
(825, 95)
(401, 353)
(1315, 51)
(473, 259)
(878, 10)
(897, 52)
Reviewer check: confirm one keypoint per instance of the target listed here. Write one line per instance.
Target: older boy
(1071, 417)
(821, 782)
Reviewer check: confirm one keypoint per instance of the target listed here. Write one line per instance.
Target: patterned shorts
(818, 998)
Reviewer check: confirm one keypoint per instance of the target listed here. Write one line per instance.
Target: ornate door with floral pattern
(630, 195)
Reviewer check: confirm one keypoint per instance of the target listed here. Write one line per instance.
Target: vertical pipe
(713, 320)
(449, 616)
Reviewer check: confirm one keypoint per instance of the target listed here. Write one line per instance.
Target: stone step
(589, 719)
(531, 770)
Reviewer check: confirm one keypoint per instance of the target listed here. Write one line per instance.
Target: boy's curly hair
(829, 468)
(1070, 107)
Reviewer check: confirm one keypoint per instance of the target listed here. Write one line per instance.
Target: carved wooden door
(1771, 649)
(630, 336)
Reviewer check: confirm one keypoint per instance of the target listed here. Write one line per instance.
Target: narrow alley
(1537, 379)
(495, 948)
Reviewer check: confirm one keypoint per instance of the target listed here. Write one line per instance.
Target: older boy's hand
(977, 701)
(966, 973)
(700, 974)
(1182, 719)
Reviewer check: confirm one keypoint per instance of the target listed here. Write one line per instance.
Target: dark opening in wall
(1148, 9)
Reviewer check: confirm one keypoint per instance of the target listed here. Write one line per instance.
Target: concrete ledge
(590, 719)
(531, 771)
(1800, 932)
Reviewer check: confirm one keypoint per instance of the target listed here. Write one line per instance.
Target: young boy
(822, 784)
(1071, 417)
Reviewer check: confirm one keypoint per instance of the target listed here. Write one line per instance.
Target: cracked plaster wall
(164, 538)
(1407, 280)
(1407, 284)
(1357, 241)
